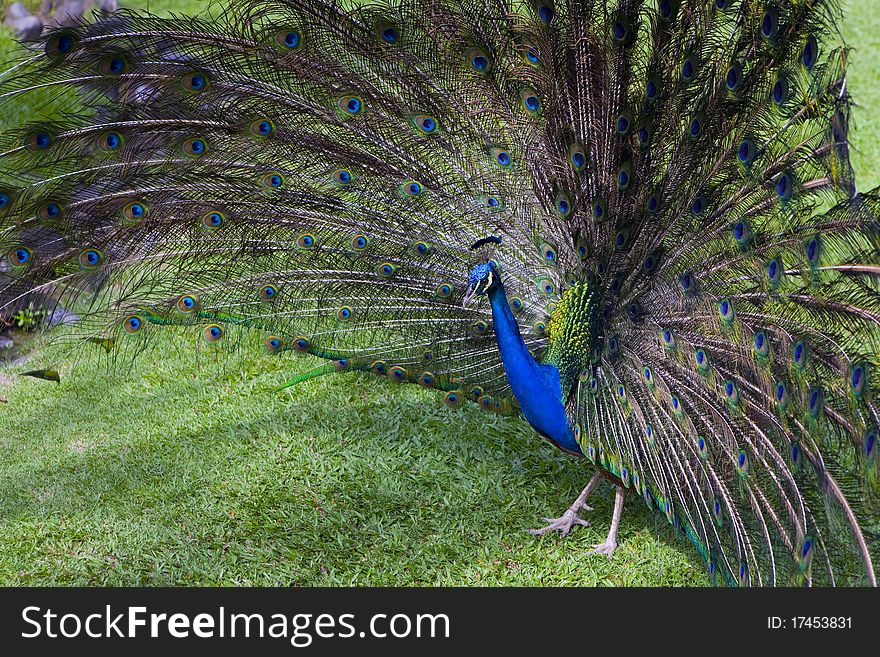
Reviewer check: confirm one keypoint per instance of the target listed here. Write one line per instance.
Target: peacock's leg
(571, 518)
(610, 544)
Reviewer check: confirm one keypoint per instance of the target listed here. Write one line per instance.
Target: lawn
(189, 470)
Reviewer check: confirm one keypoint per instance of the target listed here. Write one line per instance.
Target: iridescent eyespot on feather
(350, 105)
(668, 9)
(613, 346)
(475, 393)
(113, 65)
(268, 292)
(187, 303)
(621, 28)
(815, 402)
(288, 39)
(734, 77)
(492, 203)
(501, 157)
(195, 82)
(39, 140)
(785, 185)
(725, 311)
(262, 128)
(779, 93)
(213, 220)
(813, 249)
(746, 152)
(742, 233)
(134, 211)
(195, 147)
(810, 52)
(421, 248)
(360, 242)
(272, 180)
(60, 44)
(531, 54)
(516, 304)
(690, 67)
(479, 60)
(20, 256)
(742, 463)
(770, 23)
(453, 399)
(386, 270)
(443, 291)
(650, 263)
(539, 328)
(731, 392)
(571, 278)
(667, 337)
(379, 368)
(411, 188)
(648, 376)
(563, 204)
(548, 252)
(721, 5)
(110, 141)
(600, 209)
(652, 88)
(486, 403)
(687, 283)
(774, 271)
(800, 354)
(397, 373)
(780, 392)
(530, 100)
(307, 241)
(702, 359)
(698, 207)
(621, 391)
(6, 199)
(577, 157)
(643, 133)
(858, 379)
(344, 314)
(301, 343)
(479, 328)
(695, 128)
(702, 448)
(600, 267)
(761, 344)
(341, 364)
(621, 239)
(132, 324)
(427, 125)
(387, 32)
(805, 553)
(624, 175)
(50, 211)
(544, 10)
(427, 380)
(795, 454)
(624, 122)
(546, 286)
(871, 444)
(213, 333)
(582, 248)
(91, 259)
(273, 344)
(653, 203)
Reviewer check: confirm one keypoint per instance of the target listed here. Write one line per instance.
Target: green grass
(186, 471)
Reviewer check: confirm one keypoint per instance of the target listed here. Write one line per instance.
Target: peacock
(632, 223)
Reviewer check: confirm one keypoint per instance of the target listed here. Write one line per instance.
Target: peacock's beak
(468, 295)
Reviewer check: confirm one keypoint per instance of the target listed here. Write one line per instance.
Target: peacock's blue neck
(536, 387)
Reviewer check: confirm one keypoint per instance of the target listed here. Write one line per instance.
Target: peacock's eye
(213, 220)
(187, 303)
(195, 82)
(132, 324)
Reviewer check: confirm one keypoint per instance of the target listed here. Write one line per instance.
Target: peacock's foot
(565, 522)
(607, 548)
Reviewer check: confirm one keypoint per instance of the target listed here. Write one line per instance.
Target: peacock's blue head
(482, 279)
